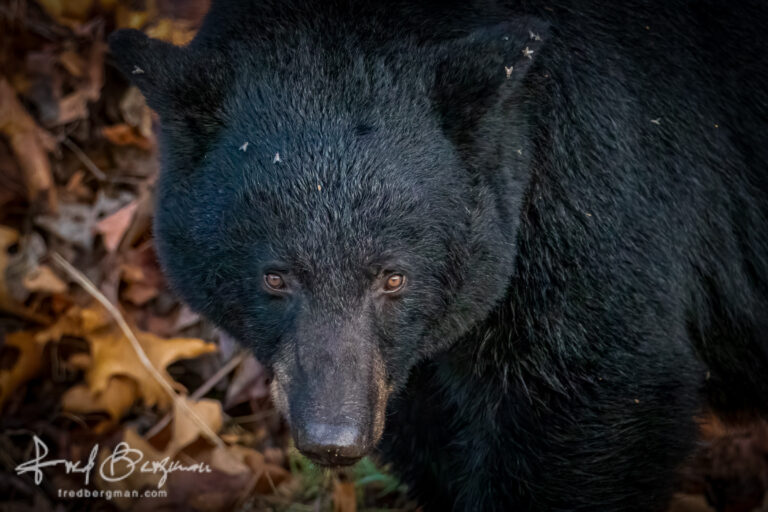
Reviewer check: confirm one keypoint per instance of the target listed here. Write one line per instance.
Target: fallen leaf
(80, 361)
(267, 476)
(139, 294)
(249, 383)
(185, 319)
(67, 12)
(23, 265)
(689, 503)
(115, 400)
(75, 322)
(95, 70)
(113, 355)
(8, 238)
(30, 145)
(141, 272)
(126, 135)
(72, 62)
(72, 107)
(135, 111)
(43, 279)
(76, 223)
(185, 430)
(176, 31)
(344, 498)
(113, 227)
(125, 17)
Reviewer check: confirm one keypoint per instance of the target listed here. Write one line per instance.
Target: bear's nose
(331, 445)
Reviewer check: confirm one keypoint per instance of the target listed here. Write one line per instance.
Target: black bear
(517, 246)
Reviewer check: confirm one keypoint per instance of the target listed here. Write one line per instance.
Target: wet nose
(331, 445)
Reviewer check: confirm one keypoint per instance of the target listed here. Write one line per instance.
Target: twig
(85, 159)
(83, 281)
(202, 390)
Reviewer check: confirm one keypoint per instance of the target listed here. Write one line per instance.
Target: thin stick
(83, 281)
(85, 159)
(199, 392)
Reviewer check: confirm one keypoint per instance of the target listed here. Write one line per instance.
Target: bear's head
(344, 209)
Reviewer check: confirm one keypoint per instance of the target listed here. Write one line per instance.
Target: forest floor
(96, 350)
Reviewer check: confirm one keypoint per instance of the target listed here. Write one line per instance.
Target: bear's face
(333, 224)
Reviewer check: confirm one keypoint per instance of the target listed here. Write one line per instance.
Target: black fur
(584, 236)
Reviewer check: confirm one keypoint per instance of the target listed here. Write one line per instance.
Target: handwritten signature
(120, 464)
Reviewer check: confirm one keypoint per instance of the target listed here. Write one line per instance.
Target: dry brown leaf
(126, 17)
(186, 431)
(8, 238)
(76, 322)
(139, 294)
(95, 71)
(30, 145)
(27, 363)
(113, 227)
(113, 355)
(268, 476)
(43, 279)
(249, 383)
(76, 222)
(67, 12)
(23, 266)
(72, 107)
(116, 400)
(126, 135)
(344, 499)
(79, 361)
(176, 31)
(141, 272)
(135, 111)
(689, 503)
(72, 62)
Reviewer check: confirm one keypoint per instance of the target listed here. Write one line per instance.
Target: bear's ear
(154, 66)
(186, 86)
(480, 71)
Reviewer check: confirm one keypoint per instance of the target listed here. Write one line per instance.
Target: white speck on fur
(520, 152)
(137, 70)
(509, 70)
(244, 147)
(505, 38)
(527, 53)
(656, 121)
(319, 187)
(534, 36)
(276, 159)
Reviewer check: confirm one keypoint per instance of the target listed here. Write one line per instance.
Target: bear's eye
(394, 283)
(274, 281)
